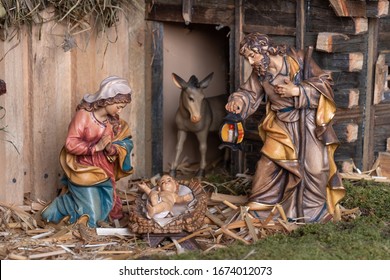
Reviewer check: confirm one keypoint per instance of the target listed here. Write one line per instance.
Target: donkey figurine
(198, 115)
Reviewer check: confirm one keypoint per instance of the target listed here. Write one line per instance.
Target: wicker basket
(189, 221)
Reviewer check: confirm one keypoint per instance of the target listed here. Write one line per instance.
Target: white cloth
(109, 87)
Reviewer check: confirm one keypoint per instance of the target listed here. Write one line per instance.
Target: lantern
(231, 132)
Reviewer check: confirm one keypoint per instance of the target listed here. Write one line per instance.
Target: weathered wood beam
(322, 18)
(187, 11)
(361, 25)
(347, 132)
(381, 126)
(351, 26)
(202, 12)
(384, 25)
(346, 80)
(350, 62)
(384, 41)
(349, 150)
(386, 54)
(270, 13)
(338, 42)
(388, 145)
(345, 165)
(270, 30)
(377, 8)
(380, 76)
(381, 117)
(353, 8)
(347, 98)
(382, 164)
(347, 8)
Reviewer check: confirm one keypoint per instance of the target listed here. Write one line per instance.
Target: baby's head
(167, 183)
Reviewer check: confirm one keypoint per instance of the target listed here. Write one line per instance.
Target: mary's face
(259, 62)
(115, 109)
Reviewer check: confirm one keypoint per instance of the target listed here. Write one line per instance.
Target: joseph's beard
(261, 69)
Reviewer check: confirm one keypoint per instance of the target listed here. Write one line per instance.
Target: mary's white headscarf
(109, 87)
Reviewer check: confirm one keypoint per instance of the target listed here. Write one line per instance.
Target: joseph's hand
(235, 105)
(288, 89)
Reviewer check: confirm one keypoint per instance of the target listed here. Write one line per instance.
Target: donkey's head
(192, 95)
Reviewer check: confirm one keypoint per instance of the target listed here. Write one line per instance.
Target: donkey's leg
(202, 138)
(181, 137)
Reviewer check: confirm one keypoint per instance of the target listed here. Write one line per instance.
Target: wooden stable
(44, 82)
(351, 40)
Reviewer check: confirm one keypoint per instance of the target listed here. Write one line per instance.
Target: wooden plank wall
(45, 83)
(341, 44)
(341, 47)
(16, 167)
(381, 131)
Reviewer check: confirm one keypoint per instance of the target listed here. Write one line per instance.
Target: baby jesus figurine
(162, 200)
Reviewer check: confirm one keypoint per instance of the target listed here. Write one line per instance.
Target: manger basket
(189, 221)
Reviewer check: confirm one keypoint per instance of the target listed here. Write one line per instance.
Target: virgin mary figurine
(96, 154)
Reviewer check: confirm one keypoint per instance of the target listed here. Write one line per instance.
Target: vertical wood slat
(50, 108)
(237, 164)
(301, 24)
(368, 146)
(15, 174)
(157, 101)
(134, 45)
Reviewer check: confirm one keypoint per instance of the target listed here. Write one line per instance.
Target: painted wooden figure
(96, 154)
(196, 114)
(161, 201)
(297, 168)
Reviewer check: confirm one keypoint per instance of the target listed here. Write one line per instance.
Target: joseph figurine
(296, 169)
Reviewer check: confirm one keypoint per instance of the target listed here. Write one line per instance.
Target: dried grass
(24, 236)
(78, 15)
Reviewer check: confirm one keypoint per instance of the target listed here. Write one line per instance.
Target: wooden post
(238, 157)
(157, 98)
(187, 11)
(300, 24)
(368, 141)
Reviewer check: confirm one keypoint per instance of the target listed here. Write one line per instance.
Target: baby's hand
(144, 187)
(150, 209)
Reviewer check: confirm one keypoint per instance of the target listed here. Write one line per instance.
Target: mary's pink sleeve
(76, 143)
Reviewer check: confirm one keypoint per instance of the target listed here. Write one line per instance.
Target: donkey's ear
(179, 82)
(205, 82)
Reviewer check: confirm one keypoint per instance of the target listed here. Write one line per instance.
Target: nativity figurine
(97, 153)
(161, 201)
